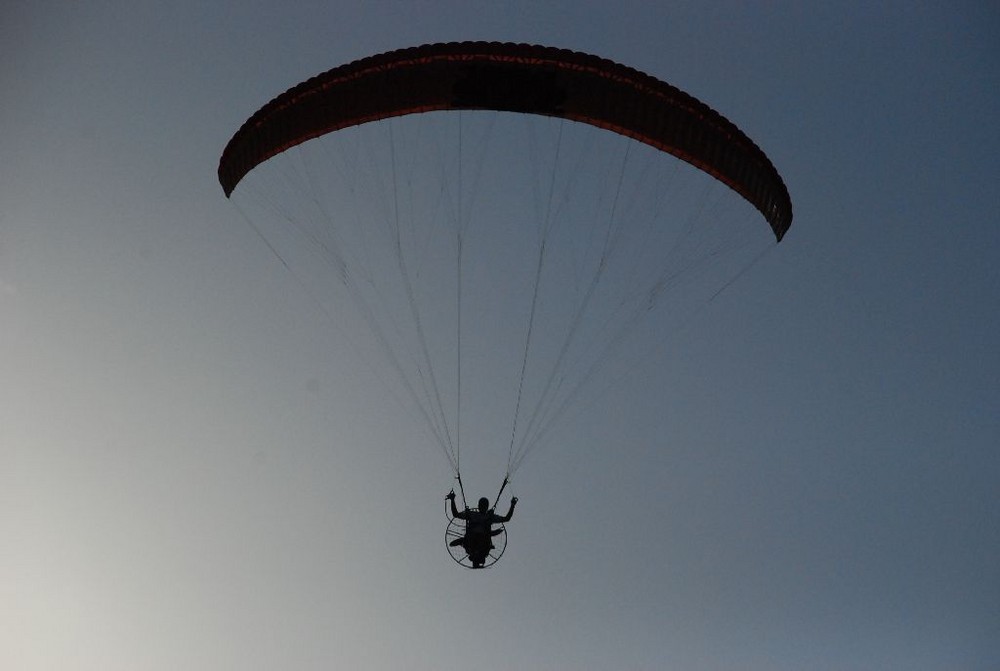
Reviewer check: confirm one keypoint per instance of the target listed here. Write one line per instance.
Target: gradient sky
(196, 474)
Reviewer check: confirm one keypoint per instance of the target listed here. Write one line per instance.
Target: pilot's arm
(454, 510)
(510, 513)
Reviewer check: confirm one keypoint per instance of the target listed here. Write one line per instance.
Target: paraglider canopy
(516, 78)
(502, 219)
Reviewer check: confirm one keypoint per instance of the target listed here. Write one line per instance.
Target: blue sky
(196, 472)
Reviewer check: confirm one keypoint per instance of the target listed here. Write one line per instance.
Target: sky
(197, 472)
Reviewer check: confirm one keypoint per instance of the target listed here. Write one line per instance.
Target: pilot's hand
(451, 495)
(513, 501)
